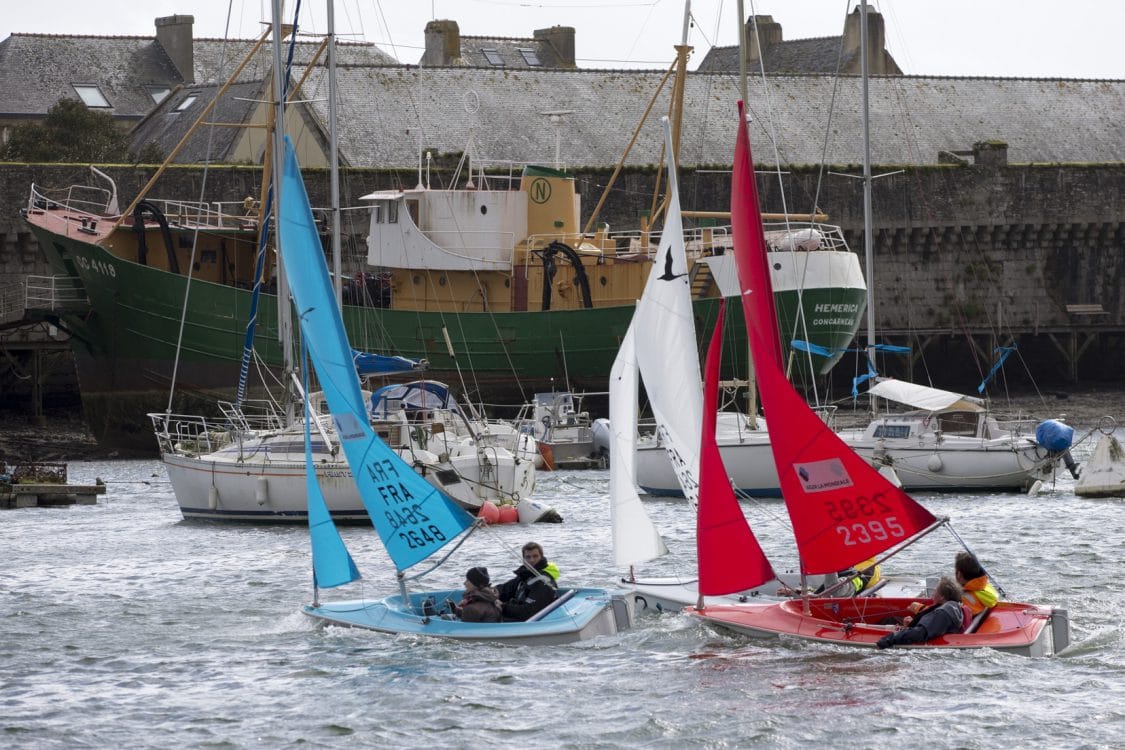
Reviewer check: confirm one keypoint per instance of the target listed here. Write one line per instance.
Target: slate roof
(37, 70)
(216, 59)
(166, 127)
(387, 113)
(508, 51)
(815, 55)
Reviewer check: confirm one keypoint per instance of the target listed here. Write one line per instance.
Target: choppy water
(123, 625)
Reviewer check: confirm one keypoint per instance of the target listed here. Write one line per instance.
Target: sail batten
(843, 511)
(413, 519)
(722, 533)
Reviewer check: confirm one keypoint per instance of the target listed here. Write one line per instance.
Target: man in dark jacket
(946, 615)
(534, 587)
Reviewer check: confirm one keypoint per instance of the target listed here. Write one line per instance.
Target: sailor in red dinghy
(946, 615)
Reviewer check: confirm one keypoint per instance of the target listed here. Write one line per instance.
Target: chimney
(173, 33)
(560, 40)
(768, 34)
(443, 44)
(876, 42)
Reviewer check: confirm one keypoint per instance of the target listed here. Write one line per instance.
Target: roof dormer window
(158, 93)
(187, 102)
(493, 56)
(530, 57)
(91, 95)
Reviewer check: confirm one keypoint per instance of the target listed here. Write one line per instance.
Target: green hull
(125, 344)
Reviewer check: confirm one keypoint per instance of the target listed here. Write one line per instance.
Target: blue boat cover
(383, 364)
(413, 519)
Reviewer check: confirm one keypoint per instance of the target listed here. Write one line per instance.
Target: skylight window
(493, 56)
(158, 93)
(187, 102)
(91, 95)
(530, 57)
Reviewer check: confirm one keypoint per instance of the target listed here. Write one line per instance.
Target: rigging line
(800, 323)
(195, 233)
(831, 111)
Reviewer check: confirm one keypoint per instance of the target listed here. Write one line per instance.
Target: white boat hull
(920, 462)
(956, 463)
(274, 490)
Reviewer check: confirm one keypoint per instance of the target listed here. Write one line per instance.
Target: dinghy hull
(1017, 628)
(577, 615)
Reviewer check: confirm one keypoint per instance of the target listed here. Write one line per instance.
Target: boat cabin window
(892, 431)
(384, 212)
(91, 95)
(493, 56)
(959, 423)
(530, 57)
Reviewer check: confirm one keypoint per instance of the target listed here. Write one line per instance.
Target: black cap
(478, 576)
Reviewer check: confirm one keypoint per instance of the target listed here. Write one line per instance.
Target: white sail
(666, 346)
(635, 538)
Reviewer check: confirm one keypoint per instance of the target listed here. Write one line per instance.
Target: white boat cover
(924, 397)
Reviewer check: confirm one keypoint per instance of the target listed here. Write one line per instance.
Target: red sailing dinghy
(843, 511)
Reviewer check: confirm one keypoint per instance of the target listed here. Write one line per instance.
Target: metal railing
(54, 292)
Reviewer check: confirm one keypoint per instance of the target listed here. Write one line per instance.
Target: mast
(868, 240)
(334, 156)
(284, 315)
(744, 92)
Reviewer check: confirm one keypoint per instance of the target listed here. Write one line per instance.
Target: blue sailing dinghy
(413, 519)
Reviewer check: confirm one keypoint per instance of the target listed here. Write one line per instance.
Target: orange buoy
(509, 514)
(489, 512)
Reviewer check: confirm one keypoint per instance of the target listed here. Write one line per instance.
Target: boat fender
(419, 467)
(508, 514)
(262, 490)
(934, 464)
(489, 512)
(1054, 435)
(212, 497)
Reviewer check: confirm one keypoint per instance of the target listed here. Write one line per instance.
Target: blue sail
(332, 565)
(413, 519)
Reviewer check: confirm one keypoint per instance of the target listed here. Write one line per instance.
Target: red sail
(843, 511)
(730, 558)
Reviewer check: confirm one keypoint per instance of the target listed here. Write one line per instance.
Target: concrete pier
(48, 495)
